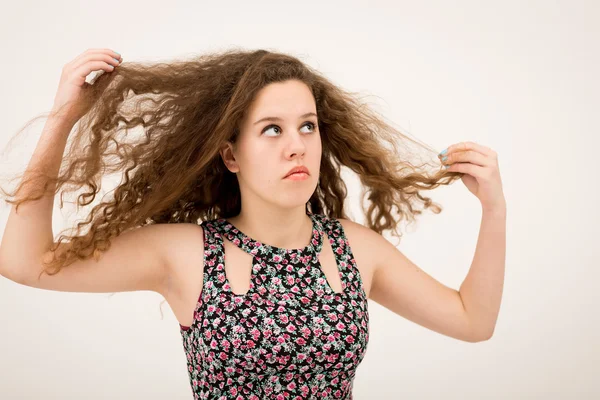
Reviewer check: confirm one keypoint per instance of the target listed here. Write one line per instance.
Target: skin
(273, 208)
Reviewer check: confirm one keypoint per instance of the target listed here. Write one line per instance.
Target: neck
(287, 229)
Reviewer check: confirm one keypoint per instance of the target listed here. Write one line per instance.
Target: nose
(295, 146)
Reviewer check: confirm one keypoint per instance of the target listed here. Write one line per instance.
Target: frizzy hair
(173, 172)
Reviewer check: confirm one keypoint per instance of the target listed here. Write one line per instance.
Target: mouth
(297, 176)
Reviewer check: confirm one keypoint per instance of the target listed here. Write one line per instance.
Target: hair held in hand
(172, 171)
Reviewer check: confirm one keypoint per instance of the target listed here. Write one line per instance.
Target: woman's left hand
(479, 164)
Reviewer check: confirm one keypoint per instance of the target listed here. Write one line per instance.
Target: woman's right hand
(67, 102)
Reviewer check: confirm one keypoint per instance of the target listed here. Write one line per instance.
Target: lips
(294, 170)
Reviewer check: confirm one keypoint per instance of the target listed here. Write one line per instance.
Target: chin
(293, 198)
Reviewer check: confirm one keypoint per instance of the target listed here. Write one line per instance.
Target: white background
(518, 76)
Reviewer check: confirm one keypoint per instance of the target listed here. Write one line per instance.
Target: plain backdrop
(518, 76)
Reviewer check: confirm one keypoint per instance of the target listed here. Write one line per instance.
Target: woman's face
(279, 132)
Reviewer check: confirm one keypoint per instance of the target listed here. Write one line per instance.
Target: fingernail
(443, 152)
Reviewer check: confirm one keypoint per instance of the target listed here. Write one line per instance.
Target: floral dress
(291, 336)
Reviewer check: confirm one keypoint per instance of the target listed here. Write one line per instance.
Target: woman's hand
(482, 174)
(67, 102)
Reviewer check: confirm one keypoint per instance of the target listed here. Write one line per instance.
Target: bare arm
(28, 234)
(136, 259)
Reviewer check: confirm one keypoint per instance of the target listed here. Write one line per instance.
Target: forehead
(287, 99)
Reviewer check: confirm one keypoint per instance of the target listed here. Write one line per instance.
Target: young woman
(232, 208)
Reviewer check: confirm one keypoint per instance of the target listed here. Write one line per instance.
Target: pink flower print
(223, 356)
(291, 386)
(284, 318)
(221, 278)
(339, 250)
(340, 326)
(211, 308)
(250, 344)
(354, 329)
(213, 344)
(333, 317)
(277, 258)
(233, 390)
(290, 328)
(348, 354)
(280, 309)
(295, 289)
(290, 280)
(304, 300)
(305, 331)
(280, 397)
(230, 369)
(331, 338)
(350, 339)
(236, 241)
(301, 341)
(301, 356)
(301, 271)
(326, 307)
(283, 359)
(280, 339)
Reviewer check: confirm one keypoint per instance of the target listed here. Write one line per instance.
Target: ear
(228, 156)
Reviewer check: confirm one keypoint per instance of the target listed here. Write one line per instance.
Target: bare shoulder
(185, 241)
(182, 245)
(362, 240)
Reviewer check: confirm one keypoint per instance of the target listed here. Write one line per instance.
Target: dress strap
(350, 276)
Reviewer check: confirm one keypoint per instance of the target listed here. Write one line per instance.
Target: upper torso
(295, 321)
(187, 276)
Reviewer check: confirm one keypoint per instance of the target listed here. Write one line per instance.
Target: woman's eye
(278, 129)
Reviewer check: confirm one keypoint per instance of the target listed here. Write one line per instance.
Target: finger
(75, 63)
(84, 70)
(96, 57)
(468, 156)
(464, 146)
(467, 168)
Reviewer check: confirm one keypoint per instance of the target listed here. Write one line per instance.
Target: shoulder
(365, 242)
(356, 232)
(181, 241)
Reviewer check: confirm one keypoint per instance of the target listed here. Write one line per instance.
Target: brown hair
(187, 110)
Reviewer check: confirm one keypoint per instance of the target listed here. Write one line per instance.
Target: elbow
(481, 337)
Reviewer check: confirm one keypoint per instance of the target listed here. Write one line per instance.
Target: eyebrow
(310, 114)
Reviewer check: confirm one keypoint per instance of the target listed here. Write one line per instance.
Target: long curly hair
(172, 172)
